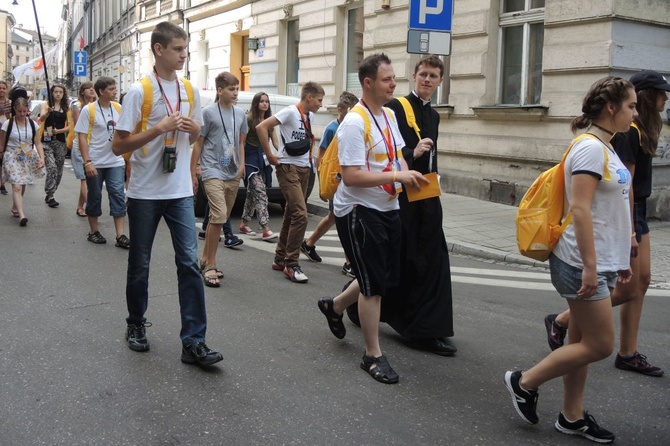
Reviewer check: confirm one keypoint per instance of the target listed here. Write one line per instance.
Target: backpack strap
(32, 127)
(409, 114)
(91, 119)
(190, 95)
(9, 130)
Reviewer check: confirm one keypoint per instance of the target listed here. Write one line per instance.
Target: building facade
(516, 75)
(7, 23)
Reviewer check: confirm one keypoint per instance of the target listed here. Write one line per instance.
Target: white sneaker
(295, 274)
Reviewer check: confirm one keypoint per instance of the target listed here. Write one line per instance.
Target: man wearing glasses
(95, 130)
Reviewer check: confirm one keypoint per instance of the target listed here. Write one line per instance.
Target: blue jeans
(114, 178)
(143, 218)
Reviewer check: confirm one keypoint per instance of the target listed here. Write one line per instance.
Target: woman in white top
(23, 157)
(587, 263)
(86, 96)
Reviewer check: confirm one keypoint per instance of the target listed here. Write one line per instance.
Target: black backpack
(15, 93)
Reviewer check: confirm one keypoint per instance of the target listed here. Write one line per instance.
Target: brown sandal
(211, 281)
(219, 273)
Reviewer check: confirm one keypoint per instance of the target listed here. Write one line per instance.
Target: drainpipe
(186, 4)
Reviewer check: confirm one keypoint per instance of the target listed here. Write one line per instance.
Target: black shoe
(347, 271)
(380, 369)
(201, 235)
(310, 252)
(51, 202)
(136, 336)
(586, 427)
(335, 323)
(638, 363)
(122, 242)
(3, 191)
(199, 354)
(231, 241)
(96, 238)
(439, 346)
(525, 401)
(555, 333)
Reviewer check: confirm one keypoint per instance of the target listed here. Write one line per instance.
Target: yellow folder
(430, 190)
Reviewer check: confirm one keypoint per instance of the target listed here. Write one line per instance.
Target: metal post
(44, 61)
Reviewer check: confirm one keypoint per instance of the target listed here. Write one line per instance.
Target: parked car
(277, 102)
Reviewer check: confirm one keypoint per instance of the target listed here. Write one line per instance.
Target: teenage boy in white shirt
(161, 187)
(294, 165)
(220, 152)
(100, 163)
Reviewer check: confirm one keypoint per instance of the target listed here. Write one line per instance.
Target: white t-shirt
(610, 209)
(104, 124)
(292, 129)
(147, 180)
(19, 134)
(353, 151)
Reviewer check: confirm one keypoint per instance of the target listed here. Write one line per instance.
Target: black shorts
(371, 241)
(640, 219)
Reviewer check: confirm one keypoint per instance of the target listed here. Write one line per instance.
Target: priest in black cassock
(420, 309)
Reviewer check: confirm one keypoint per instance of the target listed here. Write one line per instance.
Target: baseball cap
(649, 79)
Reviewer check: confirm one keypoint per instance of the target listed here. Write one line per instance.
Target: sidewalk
(486, 230)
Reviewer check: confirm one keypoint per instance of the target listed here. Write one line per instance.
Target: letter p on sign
(425, 10)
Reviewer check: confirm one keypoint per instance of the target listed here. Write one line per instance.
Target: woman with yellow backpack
(86, 96)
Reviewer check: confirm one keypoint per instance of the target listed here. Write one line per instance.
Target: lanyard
(111, 112)
(18, 130)
(389, 141)
(168, 107)
(224, 124)
(306, 122)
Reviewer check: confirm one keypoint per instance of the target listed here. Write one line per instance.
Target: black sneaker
(586, 427)
(310, 252)
(136, 336)
(525, 401)
(347, 271)
(555, 333)
(199, 354)
(51, 202)
(3, 191)
(638, 363)
(201, 235)
(232, 241)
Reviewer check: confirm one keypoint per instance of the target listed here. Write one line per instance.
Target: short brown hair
(103, 82)
(311, 88)
(347, 100)
(225, 79)
(369, 67)
(163, 34)
(431, 61)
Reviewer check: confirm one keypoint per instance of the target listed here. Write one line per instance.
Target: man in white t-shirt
(220, 152)
(294, 165)
(160, 187)
(366, 210)
(95, 130)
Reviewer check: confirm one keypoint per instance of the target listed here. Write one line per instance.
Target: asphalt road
(68, 377)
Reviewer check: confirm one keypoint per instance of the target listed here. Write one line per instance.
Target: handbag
(298, 148)
(302, 146)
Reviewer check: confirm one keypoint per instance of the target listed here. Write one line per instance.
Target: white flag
(35, 67)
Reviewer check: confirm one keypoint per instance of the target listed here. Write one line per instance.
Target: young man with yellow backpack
(95, 130)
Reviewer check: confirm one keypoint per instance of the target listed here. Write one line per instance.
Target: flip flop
(81, 213)
(15, 214)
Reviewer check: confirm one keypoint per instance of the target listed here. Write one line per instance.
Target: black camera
(169, 159)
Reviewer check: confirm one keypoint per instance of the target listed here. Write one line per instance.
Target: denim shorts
(567, 280)
(640, 219)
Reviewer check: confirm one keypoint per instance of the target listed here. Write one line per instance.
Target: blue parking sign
(432, 15)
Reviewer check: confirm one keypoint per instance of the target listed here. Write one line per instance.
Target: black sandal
(335, 323)
(380, 369)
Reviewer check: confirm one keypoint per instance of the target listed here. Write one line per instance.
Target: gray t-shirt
(220, 157)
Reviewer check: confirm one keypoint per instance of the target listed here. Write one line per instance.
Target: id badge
(169, 142)
(228, 158)
(26, 148)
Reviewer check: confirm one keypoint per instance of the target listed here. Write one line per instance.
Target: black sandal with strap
(380, 369)
(335, 323)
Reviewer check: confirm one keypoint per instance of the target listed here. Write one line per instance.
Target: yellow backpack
(538, 219)
(69, 140)
(91, 117)
(329, 169)
(148, 102)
